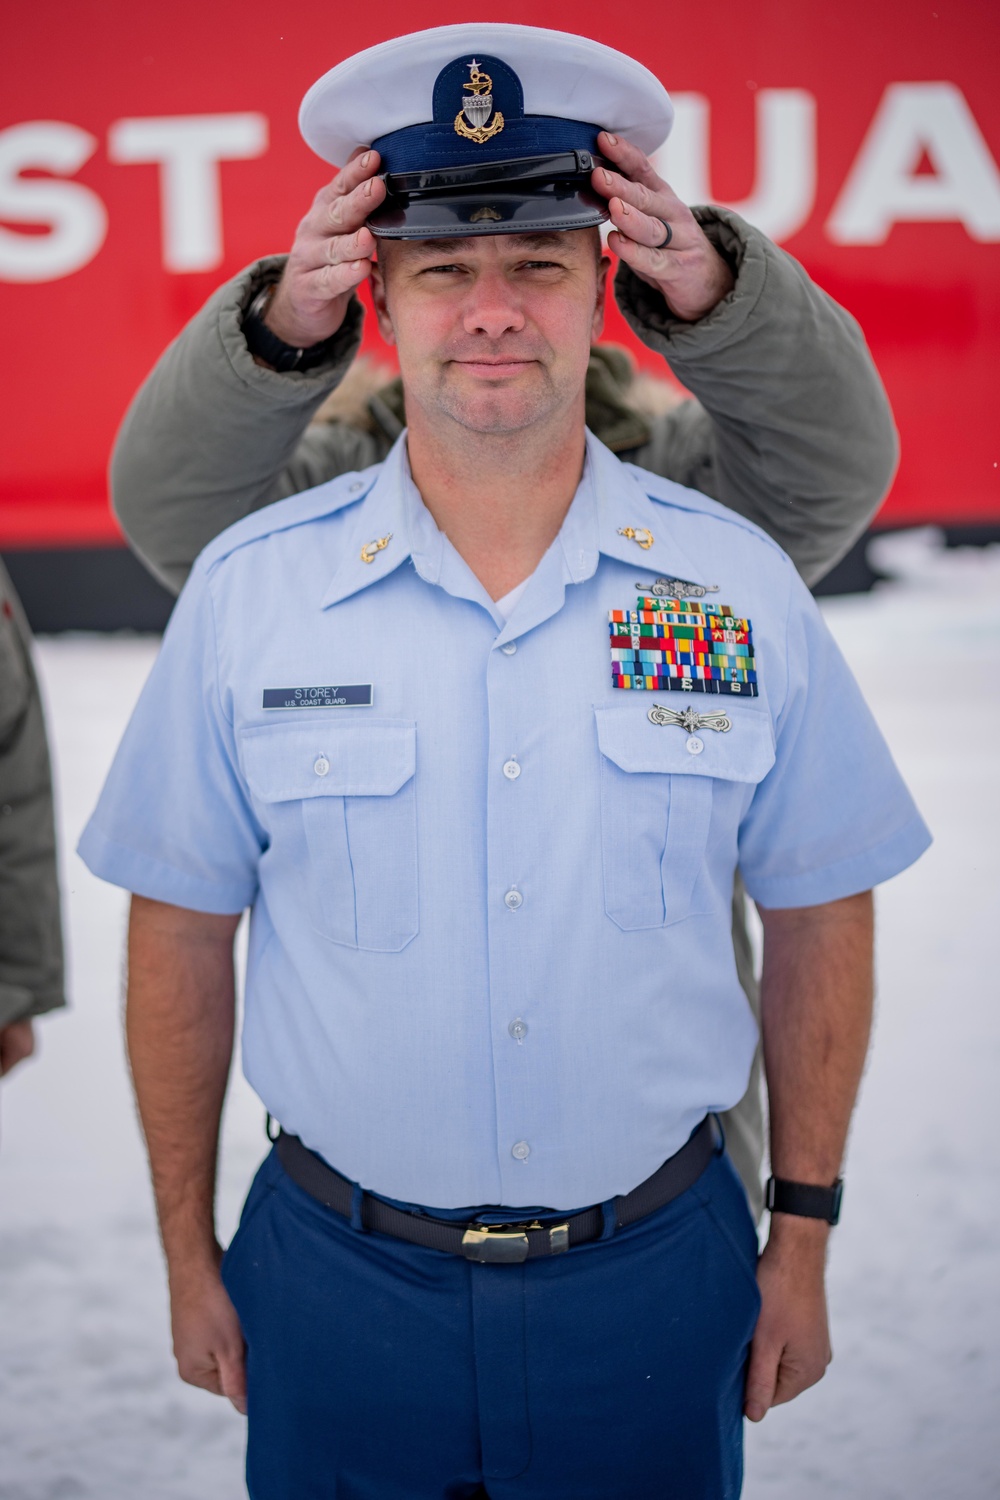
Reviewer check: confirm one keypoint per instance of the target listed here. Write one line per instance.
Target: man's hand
(17, 1041)
(332, 255)
(791, 1344)
(691, 275)
(208, 1340)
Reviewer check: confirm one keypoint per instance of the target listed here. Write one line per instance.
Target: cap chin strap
(550, 167)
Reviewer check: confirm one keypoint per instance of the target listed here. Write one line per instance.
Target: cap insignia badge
(477, 108)
(483, 214)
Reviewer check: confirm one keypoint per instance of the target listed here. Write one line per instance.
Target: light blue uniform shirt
(490, 948)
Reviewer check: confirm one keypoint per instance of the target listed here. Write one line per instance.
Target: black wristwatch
(274, 351)
(804, 1199)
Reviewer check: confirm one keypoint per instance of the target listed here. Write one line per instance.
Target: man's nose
(492, 306)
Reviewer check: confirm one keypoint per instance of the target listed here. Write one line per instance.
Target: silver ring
(670, 234)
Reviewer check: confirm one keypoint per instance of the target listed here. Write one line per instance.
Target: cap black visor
(530, 195)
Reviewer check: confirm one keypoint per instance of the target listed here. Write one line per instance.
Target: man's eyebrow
(540, 241)
(449, 245)
(436, 247)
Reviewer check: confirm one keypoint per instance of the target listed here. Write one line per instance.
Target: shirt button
(513, 899)
(511, 770)
(508, 648)
(695, 745)
(520, 1151)
(321, 765)
(518, 1029)
(357, 485)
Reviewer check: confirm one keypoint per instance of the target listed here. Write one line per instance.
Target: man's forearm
(816, 1002)
(179, 1025)
(816, 1006)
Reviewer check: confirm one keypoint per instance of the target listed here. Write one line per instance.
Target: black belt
(500, 1242)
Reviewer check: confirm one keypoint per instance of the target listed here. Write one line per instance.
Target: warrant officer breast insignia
(678, 646)
(473, 119)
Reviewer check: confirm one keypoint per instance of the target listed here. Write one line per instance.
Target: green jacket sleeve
(210, 434)
(791, 426)
(31, 957)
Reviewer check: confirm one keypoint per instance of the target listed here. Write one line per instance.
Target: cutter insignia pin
(677, 588)
(690, 719)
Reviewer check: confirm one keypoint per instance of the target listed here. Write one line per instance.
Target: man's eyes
(526, 265)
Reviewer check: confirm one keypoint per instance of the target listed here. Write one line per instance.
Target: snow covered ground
(90, 1403)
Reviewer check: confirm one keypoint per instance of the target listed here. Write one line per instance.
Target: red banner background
(864, 135)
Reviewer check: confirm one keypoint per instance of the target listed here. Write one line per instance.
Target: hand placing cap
(485, 129)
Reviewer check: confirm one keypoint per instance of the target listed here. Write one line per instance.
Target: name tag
(358, 695)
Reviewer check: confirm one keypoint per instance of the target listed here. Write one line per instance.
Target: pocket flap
(285, 762)
(743, 753)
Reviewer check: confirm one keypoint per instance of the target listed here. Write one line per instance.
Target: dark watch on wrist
(804, 1199)
(274, 351)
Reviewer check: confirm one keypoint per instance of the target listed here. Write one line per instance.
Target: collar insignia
(370, 550)
(477, 108)
(641, 535)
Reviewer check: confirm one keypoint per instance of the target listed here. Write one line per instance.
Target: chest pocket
(656, 805)
(347, 789)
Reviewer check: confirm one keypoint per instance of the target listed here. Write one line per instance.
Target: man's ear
(600, 306)
(380, 304)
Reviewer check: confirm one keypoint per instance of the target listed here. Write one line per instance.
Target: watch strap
(806, 1199)
(267, 346)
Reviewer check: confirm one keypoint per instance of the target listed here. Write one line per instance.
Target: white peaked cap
(389, 87)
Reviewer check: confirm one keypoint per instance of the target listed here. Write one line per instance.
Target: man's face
(493, 331)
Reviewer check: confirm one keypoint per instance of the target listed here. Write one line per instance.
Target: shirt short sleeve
(173, 822)
(833, 817)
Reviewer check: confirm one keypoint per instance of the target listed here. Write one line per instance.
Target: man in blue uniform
(480, 735)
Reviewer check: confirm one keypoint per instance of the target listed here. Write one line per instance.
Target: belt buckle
(507, 1244)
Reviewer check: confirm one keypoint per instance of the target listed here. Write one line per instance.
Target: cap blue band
(419, 148)
(439, 143)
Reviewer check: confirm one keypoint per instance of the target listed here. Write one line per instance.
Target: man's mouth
(495, 368)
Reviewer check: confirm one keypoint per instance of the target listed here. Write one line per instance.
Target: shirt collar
(609, 501)
(392, 526)
(621, 505)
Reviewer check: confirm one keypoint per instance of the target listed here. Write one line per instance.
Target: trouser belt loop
(357, 1209)
(718, 1134)
(609, 1213)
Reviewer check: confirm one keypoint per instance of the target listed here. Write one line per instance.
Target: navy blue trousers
(378, 1370)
